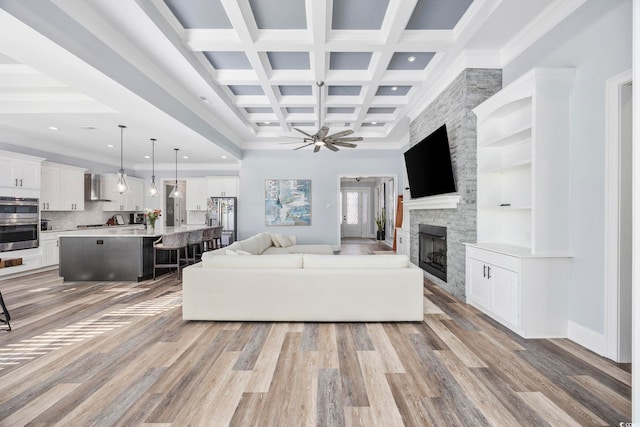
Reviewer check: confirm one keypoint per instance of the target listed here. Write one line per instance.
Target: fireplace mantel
(442, 201)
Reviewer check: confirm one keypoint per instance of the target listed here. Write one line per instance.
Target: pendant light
(153, 189)
(175, 193)
(121, 185)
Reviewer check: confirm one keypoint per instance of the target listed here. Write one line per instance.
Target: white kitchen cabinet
(197, 194)
(50, 245)
(223, 187)
(528, 294)
(19, 171)
(50, 188)
(134, 199)
(31, 259)
(62, 188)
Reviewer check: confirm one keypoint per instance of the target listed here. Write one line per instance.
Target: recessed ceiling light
(185, 157)
(147, 157)
(87, 127)
(110, 145)
(411, 58)
(224, 157)
(374, 123)
(53, 128)
(205, 100)
(267, 123)
(394, 87)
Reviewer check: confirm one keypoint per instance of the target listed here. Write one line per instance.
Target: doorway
(618, 219)
(356, 212)
(175, 212)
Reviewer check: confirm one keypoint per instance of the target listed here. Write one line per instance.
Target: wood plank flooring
(118, 353)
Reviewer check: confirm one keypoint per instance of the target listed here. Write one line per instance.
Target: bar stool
(174, 242)
(195, 243)
(5, 313)
(212, 238)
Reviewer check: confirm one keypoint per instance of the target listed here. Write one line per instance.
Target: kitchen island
(112, 253)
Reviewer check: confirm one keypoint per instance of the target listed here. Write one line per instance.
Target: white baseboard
(586, 337)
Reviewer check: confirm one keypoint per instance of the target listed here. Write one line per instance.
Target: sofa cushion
(314, 261)
(264, 242)
(283, 240)
(285, 261)
(311, 249)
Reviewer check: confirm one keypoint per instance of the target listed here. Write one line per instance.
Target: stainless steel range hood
(93, 188)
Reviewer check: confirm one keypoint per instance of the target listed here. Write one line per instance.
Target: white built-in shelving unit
(517, 271)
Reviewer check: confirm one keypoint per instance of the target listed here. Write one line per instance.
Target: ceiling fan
(321, 138)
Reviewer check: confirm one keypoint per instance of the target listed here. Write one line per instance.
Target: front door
(355, 213)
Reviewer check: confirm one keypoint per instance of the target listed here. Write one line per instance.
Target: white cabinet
(50, 188)
(50, 249)
(223, 187)
(62, 188)
(527, 294)
(402, 243)
(31, 259)
(130, 201)
(197, 194)
(518, 271)
(19, 171)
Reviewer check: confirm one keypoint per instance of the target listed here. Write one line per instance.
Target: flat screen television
(429, 166)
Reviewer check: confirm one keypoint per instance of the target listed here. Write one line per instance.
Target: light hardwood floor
(118, 353)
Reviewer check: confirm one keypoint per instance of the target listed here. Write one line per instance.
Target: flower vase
(152, 224)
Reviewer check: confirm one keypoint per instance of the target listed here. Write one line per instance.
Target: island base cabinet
(526, 294)
(106, 258)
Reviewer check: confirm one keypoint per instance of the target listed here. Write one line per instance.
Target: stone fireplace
(452, 107)
(432, 250)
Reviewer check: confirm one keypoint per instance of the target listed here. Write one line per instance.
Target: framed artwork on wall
(287, 202)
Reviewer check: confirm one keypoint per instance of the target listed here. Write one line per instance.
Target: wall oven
(19, 223)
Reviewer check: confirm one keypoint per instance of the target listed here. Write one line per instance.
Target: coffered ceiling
(216, 77)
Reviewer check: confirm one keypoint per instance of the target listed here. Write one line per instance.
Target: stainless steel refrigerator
(222, 211)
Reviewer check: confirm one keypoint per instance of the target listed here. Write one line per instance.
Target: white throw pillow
(283, 240)
(243, 253)
(274, 240)
(293, 240)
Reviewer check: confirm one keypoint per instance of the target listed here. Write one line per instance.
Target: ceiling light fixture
(374, 123)
(110, 145)
(53, 128)
(411, 58)
(153, 189)
(224, 157)
(394, 88)
(175, 193)
(121, 185)
(205, 100)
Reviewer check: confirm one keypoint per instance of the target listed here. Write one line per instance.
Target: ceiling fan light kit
(321, 138)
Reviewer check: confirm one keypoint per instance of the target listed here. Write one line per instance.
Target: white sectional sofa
(303, 288)
(271, 244)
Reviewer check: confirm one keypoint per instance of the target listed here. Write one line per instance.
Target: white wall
(324, 170)
(596, 40)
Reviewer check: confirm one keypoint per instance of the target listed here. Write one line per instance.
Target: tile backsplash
(91, 215)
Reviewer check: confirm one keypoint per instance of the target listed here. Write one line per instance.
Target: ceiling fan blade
(344, 144)
(316, 149)
(330, 146)
(322, 132)
(341, 134)
(302, 146)
(349, 139)
(303, 132)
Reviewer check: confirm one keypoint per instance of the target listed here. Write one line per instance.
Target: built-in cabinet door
(223, 187)
(72, 190)
(19, 173)
(50, 188)
(197, 193)
(506, 301)
(50, 250)
(116, 201)
(135, 196)
(479, 287)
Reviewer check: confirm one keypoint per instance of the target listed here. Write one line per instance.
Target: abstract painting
(287, 202)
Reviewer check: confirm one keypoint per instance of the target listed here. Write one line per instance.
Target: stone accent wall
(453, 108)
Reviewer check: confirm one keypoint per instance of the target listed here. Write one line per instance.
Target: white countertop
(128, 231)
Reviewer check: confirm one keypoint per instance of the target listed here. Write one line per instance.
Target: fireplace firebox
(432, 250)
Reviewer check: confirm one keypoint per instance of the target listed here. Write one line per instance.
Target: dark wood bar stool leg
(5, 312)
